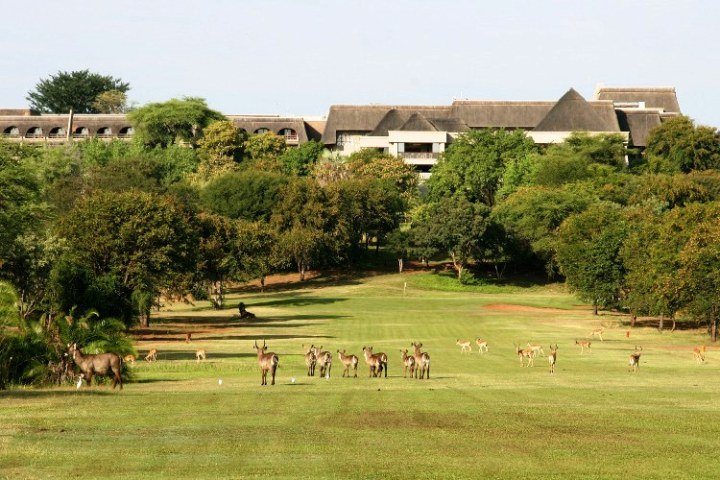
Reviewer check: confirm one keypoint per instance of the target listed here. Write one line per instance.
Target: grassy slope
(477, 416)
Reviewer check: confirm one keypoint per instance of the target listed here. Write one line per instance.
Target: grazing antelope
(129, 359)
(597, 333)
(98, 364)
(376, 361)
(552, 358)
(464, 345)
(536, 349)
(408, 363)
(348, 361)
(422, 361)
(699, 353)
(627, 334)
(200, 355)
(524, 353)
(583, 345)
(324, 361)
(188, 337)
(635, 359)
(268, 362)
(151, 356)
(482, 345)
(310, 360)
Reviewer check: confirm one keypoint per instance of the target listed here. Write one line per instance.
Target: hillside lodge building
(416, 133)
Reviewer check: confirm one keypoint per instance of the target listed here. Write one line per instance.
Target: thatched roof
(253, 123)
(393, 120)
(89, 123)
(449, 124)
(638, 123)
(573, 113)
(653, 97)
(418, 123)
(496, 114)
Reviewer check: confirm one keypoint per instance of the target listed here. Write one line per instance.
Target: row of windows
(57, 132)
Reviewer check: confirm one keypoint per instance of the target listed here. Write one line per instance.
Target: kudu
(408, 363)
(348, 361)
(524, 353)
(268, 362)
(552, 358)
(376, 361)
(98, 364)
(310, 360)
(422, 361)
(324, 361)
(635, 359)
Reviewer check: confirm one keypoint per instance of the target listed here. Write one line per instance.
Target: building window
(104, 132)
(81, 132)
(126, 132)
(56, 132)
(12, 131)
(34, 132)
(262, 130)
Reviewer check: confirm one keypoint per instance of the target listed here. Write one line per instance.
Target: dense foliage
(80, 91)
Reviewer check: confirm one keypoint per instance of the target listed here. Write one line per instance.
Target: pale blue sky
(299, 57)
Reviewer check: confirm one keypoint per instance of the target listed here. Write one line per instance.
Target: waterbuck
(348, 361)
(408, 363)
(552, 358)
(376, 361)
(635, 359)
(98, 364)
(422, 362)
(324, 361)
(310, 360)
(268, 362)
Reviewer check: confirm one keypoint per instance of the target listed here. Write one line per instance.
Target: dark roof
(449, 124)
(392, 120)
(418, 123)
(638, 123)
(573, 113)
(495, 114)
(653, 97)
(252, 123)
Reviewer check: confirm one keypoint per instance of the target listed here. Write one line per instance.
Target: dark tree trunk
(673, 323)
(595, 307)
(661, 322)
(633, 319)
(377, 245)
(262, 283)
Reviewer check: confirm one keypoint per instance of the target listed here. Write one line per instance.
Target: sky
(297, 57)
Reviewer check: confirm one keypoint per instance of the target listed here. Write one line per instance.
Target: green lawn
(479, 416)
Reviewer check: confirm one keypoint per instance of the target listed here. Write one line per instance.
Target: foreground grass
(478, 416)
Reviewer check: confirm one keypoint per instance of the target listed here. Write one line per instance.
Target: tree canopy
(81, 91)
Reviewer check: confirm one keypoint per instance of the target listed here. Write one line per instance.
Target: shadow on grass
(321, 281)
(264, 337)
(296, 301)
(155, 380)
(93, 391)
(190, 355)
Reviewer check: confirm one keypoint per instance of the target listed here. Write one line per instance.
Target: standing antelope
(408, 363)
(98, 364)
(583, 345)
(151, 356)
(536, 349)
(324, 361)
(422, 361)
(268, 361)
(524, 353)
(464, 345)
(482, 345)
(200, 355)
(597, 333)
(310, 360)
(348, 361)
(699, 353)
(129, 359)
(552, 358)
(376, 361)
(188, 337)
(635, 359)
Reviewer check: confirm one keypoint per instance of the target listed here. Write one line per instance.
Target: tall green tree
(250, 194)
(678, 145)
(176, 120)
(76, 90)
(300, 160)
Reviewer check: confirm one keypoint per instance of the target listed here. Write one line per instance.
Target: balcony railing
(419, 155)
(291, 138)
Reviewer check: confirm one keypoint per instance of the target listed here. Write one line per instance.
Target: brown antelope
(324, 361)
(188, 337)
(422, 361)
(98, 364)
(310, 360)
(597, 333)
(348, 361)
(408, 363)
(129, 359)
(376, 361)
(552, 358)
(482, 345)
(200, 355)
(268, 362)
(524, 353)
(635, 359)
(151, 356)
(536, 349)
(699, 353)
(583, 345)
(464, 345)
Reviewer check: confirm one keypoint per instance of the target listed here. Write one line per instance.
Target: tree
(588, 254)
(176, 120)
(678, 145)
(249, 195)
(399, 243)
(221, 148)
(303, 245)
(218, 256)
(473, 165)
(300, 160)
(139, 241)
(76, 91)
(372, 164)
(258, 244)
(111, 101)
(264, 146)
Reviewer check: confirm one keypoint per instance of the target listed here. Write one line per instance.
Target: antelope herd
(415, 362)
